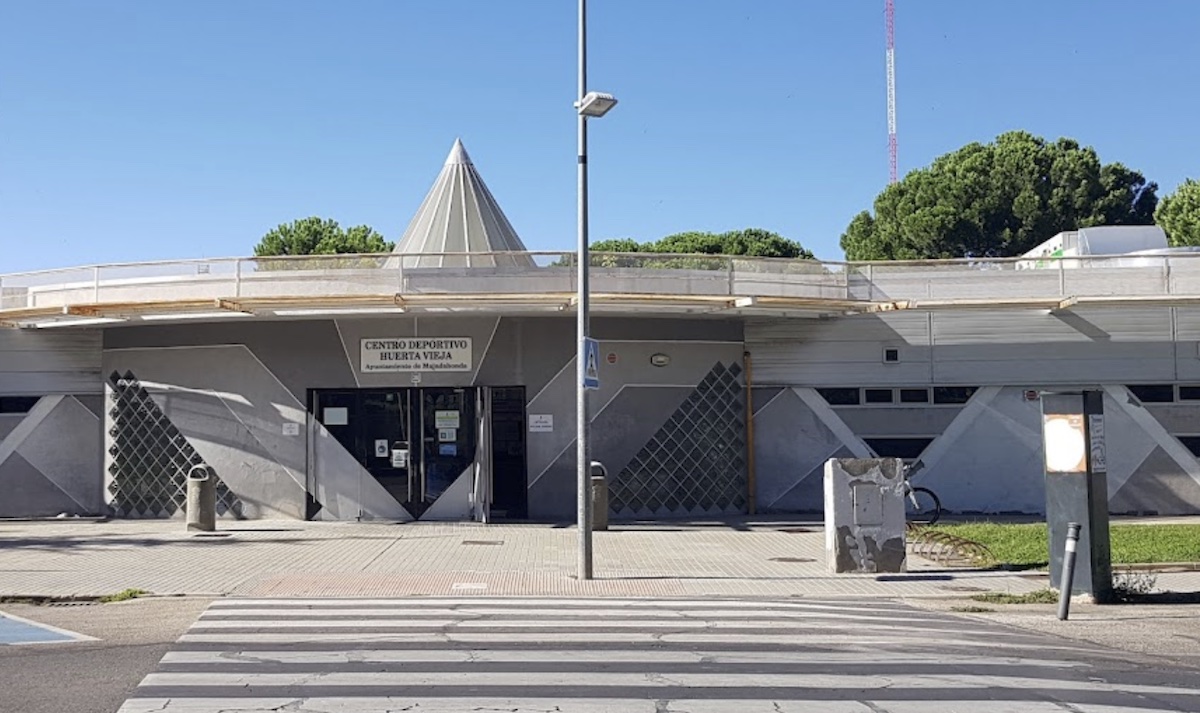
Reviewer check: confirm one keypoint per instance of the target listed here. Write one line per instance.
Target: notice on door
(381, 448)
(416, 354)
(445, 419)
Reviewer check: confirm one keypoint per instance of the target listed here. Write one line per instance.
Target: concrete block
(864, 515)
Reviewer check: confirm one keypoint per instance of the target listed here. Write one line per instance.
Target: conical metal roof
(459, 215)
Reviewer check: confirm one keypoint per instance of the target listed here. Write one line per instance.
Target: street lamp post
(589, 105)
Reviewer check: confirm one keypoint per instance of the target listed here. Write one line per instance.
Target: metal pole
(582, 457)
(1068, 573)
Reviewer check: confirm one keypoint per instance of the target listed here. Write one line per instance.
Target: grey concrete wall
(232, 410)
(634, 400)
(230, 388)
(981, 347)
(41, 362)
(986, 459)
(50, 461)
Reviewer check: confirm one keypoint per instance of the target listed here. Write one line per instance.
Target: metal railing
(536, 273)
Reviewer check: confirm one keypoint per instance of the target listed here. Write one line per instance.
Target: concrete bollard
(201, 499)
(599, 496)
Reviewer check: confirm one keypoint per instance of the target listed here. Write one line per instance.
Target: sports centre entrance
(416, 442)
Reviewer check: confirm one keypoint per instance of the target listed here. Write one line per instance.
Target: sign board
(541, 423)
(447, 434)
(415, 354)
(445, 419)
(336, 416)
(591, 377)
(1065, 449)
(291, 428)
(1096, 436)
(381, 448)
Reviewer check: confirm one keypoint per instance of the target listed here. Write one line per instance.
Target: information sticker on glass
(448, 449)
(445, 419)
(336, 416)
(447, 434)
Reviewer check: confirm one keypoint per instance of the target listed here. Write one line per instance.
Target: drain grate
(796, 530)
(792, 559)
(483, 542)
(961, 588)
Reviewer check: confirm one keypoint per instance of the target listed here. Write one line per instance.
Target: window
(840, 397)
(906, 448)
(1189, 393)
(878, 396)
(891, 355)
(953, 394)
(1192, 443)
(17, 404)
(914, 396)
(1153, 393)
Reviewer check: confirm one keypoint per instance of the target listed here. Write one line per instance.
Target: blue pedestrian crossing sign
(591, 375)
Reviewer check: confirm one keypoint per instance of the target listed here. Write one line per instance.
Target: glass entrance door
(448, 439)
(414, 442)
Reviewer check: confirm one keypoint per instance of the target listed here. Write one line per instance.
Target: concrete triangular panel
(63, 449)
(455, 501)
(1159, 486)
(790, 442)
(29, 494)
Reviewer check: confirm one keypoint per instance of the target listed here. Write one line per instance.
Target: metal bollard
(1068, 573)
(599, 496)
(201, 499)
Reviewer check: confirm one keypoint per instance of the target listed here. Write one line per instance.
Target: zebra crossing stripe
(446, 654)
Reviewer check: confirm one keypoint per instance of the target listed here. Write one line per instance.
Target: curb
(51, 599)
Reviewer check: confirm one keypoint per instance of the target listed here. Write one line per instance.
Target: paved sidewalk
(745, 558)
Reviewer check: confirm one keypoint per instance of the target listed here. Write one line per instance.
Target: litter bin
(599, 496)
(201, 499)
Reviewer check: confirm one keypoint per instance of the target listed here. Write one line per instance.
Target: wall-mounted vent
(891, 355)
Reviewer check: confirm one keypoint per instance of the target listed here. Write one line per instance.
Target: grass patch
(1041, 596)
(1025, 545)
(972, 609)
(122, 596)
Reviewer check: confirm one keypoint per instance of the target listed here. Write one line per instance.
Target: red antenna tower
(890, 14)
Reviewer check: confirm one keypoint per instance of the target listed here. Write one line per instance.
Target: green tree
(317, 236)
(616, 245)
(998, 199)
(751, 242)
(1179, 214)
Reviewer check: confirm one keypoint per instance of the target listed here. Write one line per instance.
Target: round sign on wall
(660, 359)
(612, 357)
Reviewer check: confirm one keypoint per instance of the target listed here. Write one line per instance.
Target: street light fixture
(595, 104)
(589, 105)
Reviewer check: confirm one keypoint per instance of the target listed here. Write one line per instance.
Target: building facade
(438, 382)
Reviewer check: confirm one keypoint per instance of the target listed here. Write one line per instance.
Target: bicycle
(923, 507)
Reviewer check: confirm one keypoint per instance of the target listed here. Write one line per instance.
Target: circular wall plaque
(660, 359)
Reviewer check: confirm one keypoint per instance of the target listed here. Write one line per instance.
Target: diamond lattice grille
(696, 463)
(150, 458)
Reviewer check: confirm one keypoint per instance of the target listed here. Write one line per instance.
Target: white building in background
(725, 382)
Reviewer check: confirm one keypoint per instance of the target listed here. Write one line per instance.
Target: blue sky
(156, 130)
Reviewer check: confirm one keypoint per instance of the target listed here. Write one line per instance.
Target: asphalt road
(90, 676)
